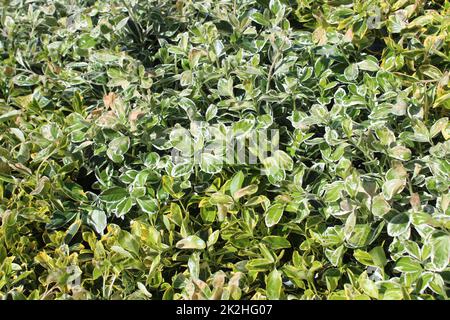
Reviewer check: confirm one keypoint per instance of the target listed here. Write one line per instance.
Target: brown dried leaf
(109, 99)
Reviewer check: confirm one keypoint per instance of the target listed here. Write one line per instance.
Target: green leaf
(191, 242)
(274, 285)
(129, 242)
(359, 236)
(72, 231)
(60, 219)
(181, 140)
(332, 277)
(368, 65)
(274, 173)
(242, 128)
(335, 255)
(380, 206)
(236, 183)
(123, 207)
(74, 191)
(218, 48)
(117, 148)
(437, 285)
(442, 100)
(400, 153)
(149, 206)
(246, 191)
(210, 163)
(369, 287)
(378, 256)
(364, 257)
(220, 198)
(421, 133)
(396, 22)
(9, 115)
(351, 72)
(393, 187)
(97, 218)
(333, 192)
(276, 242)
(114, 195)
(440, 251)
(398, 225)
(211, 112)
(408, 265)
(275, 6)
(225, 87)
(182, 169)
(260, 19)
(283, 160)
(440, 125)
(274, 214)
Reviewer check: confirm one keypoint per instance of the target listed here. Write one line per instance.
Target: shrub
(224, 149)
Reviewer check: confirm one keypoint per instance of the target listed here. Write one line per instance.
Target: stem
(426, 106)
(271, 69)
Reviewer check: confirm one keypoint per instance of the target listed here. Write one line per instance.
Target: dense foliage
(96, 95)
